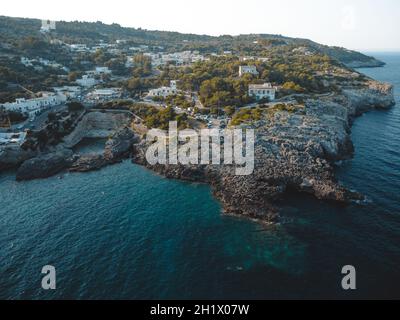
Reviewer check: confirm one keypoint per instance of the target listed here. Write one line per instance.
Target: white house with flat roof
(248, 70)
(164, 91)
(262, 91)
(105, 94)
(68, 91)
(102, 70)
(17, 138)
(35, 105)
(78, 47)
(27, 62)
(47, 26)
(86, 81)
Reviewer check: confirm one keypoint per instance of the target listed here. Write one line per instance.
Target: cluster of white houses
(38, 64)
(257, 91)
(177, 58)
(164, 91)
(89, 79)
(71, 92)
(34, 106)
(109, 47)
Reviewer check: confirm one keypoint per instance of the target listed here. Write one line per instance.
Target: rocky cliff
(293, 151)
(12, 156)
(372, 63)
(45, 165)
(96, 125)
(52, 160)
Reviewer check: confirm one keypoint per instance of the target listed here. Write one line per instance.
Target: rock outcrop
(45, 165)
(36, 165)
(372, 63)
(119, 145)
(374, 95)
(293, 151)
(86, 163)
(117, 148)
(96, 125)
(12, 157)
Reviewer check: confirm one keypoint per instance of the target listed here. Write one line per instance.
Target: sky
(365, 25)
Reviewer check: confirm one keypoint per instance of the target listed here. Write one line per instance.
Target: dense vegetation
(295, 65)
(153, 117)
(218, 84)
(14, 29)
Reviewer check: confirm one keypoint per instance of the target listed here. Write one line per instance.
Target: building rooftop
(261, 86)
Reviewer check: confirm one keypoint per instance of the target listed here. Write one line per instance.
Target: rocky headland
(293, 151)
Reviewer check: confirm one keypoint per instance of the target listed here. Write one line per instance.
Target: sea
(126, 233)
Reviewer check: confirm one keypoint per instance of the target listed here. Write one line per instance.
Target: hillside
(13, 30)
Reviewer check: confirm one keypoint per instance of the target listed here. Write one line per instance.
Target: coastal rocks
(372, 63)
(88, 163)
(96, 125)
(374, 95)
(45, 165)
(293, 151)
(119, 145)
(12, 157)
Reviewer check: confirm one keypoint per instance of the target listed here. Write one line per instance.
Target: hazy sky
(355, 24)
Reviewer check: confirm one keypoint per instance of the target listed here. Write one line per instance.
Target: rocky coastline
(293, 151)
(372, 63)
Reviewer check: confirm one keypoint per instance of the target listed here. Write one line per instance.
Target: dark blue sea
(126, 233)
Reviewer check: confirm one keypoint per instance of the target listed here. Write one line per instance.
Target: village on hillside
(215, 89)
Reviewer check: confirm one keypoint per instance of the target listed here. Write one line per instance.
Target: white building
(36, 105)
(69, 91)
(252, 58)
(105, 94)
(78, 47)
(86, 81)
(102, 70)
(27, 62)
(164, 91)
(178, 58)
(47, 26)
(303, 50)
(43, 62)
(262, 91)
(17, 138)
(130, 61)
(248, 70)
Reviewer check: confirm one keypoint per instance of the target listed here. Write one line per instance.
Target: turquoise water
(126, 233)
